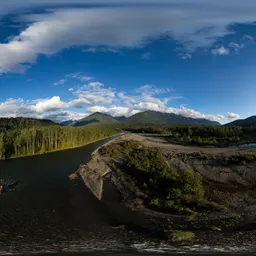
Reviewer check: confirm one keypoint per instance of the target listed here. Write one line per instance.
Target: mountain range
(147, 117)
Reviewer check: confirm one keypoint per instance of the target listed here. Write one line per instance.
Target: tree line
(23, 122)
(39, 140)
(200, 135)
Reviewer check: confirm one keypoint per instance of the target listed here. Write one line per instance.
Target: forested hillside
(250, 121)
(22, 122)
(95, 118)
(38, 140)
(154, 117)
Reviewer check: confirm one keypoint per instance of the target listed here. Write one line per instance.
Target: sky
(64, 61)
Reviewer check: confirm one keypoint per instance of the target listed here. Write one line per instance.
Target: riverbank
(225, 213)
(68, 148)
(93, 172)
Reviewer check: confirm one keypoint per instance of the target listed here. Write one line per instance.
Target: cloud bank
(193, 26)
(94, 96)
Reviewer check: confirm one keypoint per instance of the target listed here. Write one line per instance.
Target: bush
(192, 184)
(154, 202)
(179, 236)
(169, 204)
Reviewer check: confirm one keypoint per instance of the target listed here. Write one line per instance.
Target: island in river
(188, 194)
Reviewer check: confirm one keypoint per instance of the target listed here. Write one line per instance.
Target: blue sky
(193, 58)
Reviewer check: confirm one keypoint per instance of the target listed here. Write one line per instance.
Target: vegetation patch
(197, 135)
(179, 236)
(146, 174)
(42, 139)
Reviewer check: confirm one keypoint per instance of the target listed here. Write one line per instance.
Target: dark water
(49, 213)
(249, 145)
(46, 210)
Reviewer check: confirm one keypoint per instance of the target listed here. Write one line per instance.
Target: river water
(49, 213)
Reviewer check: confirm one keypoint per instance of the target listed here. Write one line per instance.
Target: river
(49, 213)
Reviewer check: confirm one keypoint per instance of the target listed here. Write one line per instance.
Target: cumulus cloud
(96, 97)
(79, 103)
(220, 51)
(146, 55)
(14, 107)
(59, 117)
(232, 116)
(113, 110)
(62, 81)
(94, 92)
(52, 104)
(199, 25)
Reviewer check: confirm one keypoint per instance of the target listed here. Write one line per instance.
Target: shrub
(243, 162)
(178, 236)
(154, 202)
(192, 184)
(169, 203)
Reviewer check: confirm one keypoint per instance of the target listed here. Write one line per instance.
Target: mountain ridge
(146, 117)
(250, 121)
(8, 123)
(150, 117)
(95, 118)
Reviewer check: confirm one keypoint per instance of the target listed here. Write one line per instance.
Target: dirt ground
(162, 143)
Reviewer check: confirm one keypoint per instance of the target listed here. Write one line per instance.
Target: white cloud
(113, 110)
(102, 49)
(94, 84)
(149, 89)
(14, 108)
(192, 26)
(146, 55)
(52, 104)
(236, 47)
(185, 56)
(96, 97)
(95, 93)
(79, 103)
(52, 108)
(232, 116)
(187, 112)
(62, 81)
(220, 51)
(59, 117)
(80, 77)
